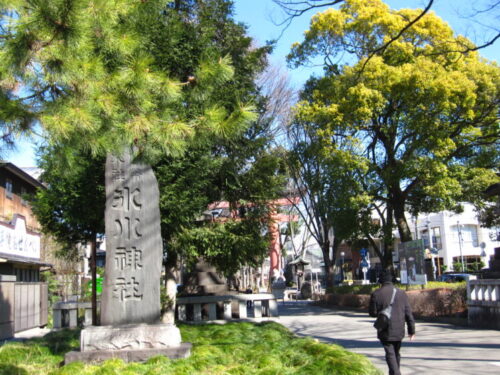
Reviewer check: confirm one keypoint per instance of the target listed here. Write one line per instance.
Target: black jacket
(401, 312)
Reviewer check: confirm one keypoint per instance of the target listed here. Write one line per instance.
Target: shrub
(233, 348)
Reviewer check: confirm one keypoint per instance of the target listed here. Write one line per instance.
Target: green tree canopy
(85, 70)
(331, 196)
(71, 206)
(229, 164)
(242, 169)
(424, 120)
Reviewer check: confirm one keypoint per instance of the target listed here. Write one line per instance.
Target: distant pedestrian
(393, 334)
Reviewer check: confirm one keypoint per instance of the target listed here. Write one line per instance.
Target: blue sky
(261, 17)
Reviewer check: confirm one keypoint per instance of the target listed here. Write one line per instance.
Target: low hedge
(369, 288)
(433, 301)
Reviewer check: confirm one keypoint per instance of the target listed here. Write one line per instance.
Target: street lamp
(342, 254)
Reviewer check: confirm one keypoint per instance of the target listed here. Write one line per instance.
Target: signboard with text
(16, 240)
(412, 262)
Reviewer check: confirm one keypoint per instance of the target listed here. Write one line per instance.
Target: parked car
(456, 277)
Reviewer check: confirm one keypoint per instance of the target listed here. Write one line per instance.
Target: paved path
(437, 349)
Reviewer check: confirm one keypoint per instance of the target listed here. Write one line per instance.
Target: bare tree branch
(487, 44)
(296, 8)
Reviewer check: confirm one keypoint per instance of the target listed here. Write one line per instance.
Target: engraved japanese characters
(133, 244)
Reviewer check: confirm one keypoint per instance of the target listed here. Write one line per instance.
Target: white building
(456, 236)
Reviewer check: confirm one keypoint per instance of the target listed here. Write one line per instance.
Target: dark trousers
(392, 356)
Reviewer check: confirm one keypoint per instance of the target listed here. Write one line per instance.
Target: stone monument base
(131, 342)
(134, 355)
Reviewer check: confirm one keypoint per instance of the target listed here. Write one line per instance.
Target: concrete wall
(483, 299)
(428, 303)
(484, 317)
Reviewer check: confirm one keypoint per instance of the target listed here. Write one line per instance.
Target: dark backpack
(384, 316)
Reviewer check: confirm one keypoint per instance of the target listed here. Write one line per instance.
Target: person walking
(393, 334)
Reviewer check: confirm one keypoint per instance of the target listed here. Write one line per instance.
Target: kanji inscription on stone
(131, 291)
(126, 227)
(125, 199)
(127, 289)
(128, 258)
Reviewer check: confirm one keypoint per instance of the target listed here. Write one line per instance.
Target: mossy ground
(234, 348)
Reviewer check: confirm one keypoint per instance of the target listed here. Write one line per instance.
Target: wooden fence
(22, 306)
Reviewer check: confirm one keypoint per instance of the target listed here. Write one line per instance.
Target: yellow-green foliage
(418, 114)
(234, 348)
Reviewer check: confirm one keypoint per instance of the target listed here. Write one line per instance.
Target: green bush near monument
(233, 348)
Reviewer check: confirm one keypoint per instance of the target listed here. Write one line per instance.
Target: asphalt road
(438, 348)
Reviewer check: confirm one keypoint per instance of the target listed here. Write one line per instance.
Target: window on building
(436, 238)
(466, 234)
(27, 275)
(472, 263)
(24, 192)
(8, 188)
(425, 237)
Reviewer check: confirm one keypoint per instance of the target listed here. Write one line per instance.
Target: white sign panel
(14, 240)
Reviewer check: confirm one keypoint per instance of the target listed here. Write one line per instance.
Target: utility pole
(459, 229)
(431, 248)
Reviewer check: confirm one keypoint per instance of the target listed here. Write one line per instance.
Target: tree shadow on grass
(60, 342)
(12, 370)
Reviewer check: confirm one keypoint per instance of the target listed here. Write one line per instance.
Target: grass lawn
(233, 348)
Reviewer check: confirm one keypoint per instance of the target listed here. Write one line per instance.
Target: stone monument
(204, 280)
(130, 302)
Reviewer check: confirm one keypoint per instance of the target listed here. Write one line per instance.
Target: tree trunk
(335, 248)
(388, 238)
(93, 256)
(325, 249)
(402, 224)
(168, 315)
